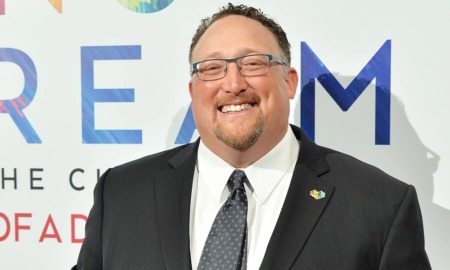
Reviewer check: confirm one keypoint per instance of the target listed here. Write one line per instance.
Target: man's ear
(292, 81)
(190, 88)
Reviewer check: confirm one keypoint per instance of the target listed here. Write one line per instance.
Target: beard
(243, 135)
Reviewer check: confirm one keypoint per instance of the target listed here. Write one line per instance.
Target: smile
(236, 108)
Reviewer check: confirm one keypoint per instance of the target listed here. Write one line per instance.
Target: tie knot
(237, 180)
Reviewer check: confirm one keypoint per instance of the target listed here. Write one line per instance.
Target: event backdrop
(86, 85)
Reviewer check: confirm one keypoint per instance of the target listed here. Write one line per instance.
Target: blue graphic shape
(379, 67)
(90, 95)
(187, 128)
(14, 107)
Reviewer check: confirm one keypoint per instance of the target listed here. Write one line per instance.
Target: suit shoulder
(355, 170)
(157, 161)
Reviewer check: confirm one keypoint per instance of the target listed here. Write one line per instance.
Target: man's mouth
(236, 108)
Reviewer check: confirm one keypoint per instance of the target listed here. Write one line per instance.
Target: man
(303, 206)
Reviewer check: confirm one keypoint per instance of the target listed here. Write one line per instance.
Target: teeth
(236, 108)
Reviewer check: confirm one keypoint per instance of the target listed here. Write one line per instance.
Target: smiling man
(253, 192)
(255, 82)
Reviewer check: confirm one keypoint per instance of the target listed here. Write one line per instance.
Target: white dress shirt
(267, 186)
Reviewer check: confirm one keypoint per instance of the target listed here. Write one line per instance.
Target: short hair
(249, 12)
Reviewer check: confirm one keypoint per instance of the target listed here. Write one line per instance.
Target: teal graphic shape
(145, 6)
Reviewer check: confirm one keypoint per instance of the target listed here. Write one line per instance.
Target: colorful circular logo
(145, 6)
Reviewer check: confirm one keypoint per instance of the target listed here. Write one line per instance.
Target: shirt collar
(264, 175)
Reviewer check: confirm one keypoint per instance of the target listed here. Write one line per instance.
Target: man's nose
(234, 82)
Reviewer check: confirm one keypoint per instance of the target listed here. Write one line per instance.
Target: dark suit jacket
(367, 220)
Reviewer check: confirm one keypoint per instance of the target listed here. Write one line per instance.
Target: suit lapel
(300, 212)
(172, 198)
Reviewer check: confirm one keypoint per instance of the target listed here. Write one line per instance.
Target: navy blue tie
(226, 245)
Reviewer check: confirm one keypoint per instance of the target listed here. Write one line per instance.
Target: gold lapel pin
(317, 194)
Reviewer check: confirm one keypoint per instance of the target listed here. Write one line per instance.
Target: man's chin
(238, 139)
(238, 144)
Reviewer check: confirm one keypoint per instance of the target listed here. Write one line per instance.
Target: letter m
(379, 67)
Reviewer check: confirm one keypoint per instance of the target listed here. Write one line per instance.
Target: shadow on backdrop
(406, 158)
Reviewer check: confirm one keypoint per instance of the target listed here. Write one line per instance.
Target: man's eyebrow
(219, 54)
(214, 55)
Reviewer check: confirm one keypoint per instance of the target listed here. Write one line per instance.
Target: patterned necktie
(226, 245)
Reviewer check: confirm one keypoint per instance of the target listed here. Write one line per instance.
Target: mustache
(243, 97)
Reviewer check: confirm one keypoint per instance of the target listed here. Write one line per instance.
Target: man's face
(263, 100)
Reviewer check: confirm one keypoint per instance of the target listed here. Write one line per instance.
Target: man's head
(249, 12)
(242, 109)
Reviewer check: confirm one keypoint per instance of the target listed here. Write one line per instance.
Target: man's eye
(211, 68)
(253, 63)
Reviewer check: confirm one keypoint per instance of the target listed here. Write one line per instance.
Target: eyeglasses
(248, 66)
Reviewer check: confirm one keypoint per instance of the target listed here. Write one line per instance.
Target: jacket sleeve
(90, 257)
(404, 247)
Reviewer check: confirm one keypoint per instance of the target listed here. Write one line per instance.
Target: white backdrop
(42, 211)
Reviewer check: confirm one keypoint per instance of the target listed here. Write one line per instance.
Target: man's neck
(244, 158)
